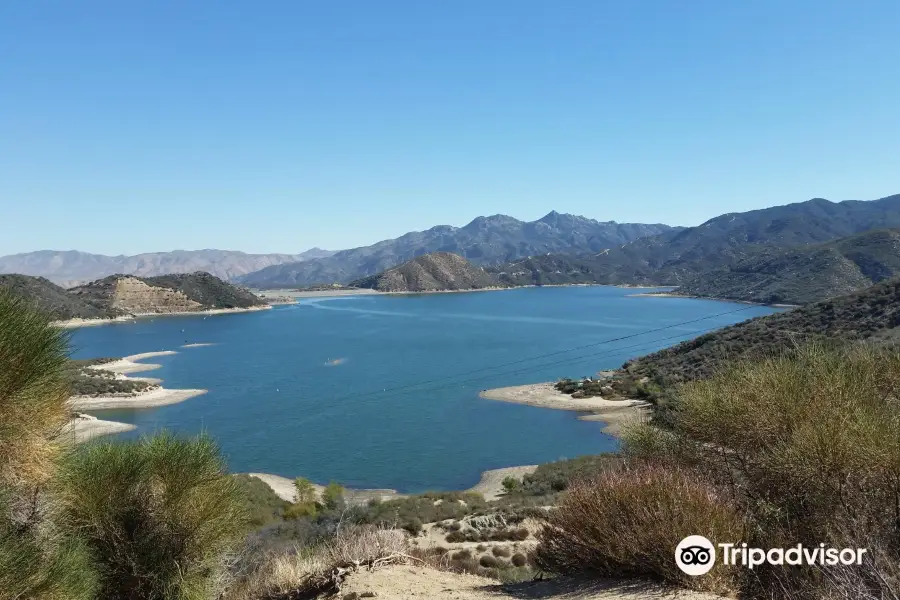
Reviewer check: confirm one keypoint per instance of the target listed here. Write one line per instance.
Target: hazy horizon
(226, 248)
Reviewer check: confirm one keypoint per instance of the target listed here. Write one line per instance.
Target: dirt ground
(414, 582)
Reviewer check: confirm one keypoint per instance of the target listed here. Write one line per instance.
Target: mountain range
(70, 268)
(484, 241)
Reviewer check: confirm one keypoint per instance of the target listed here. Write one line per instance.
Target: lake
(382, 391)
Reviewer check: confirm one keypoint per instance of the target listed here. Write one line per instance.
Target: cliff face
(431, 272)
(134, 296)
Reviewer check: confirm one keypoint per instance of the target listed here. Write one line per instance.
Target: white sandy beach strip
(284, 489)
(85, 427)
(198, 345)
(129, 364)
(156, 397)
(615, 413)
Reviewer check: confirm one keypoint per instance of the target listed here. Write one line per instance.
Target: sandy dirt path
(401, 582)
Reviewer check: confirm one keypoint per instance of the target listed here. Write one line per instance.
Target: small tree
(333, 496)
(306, 491)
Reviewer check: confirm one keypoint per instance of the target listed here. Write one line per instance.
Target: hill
(74, 268)
(870, 314)
(53, 299)
(430, 272)
(124, 294)
(484, 241)
(562, 269)
(676, 256)
(804, 275)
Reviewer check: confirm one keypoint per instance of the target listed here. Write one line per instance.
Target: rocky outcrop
(134, 296)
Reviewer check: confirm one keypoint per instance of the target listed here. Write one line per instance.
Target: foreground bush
(38, 559)
(806, 448)
(33, 392)
(159, 515)
(627, 523)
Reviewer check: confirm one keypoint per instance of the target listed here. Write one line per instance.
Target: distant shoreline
(370, 292)
(673, 295)
(74, 323)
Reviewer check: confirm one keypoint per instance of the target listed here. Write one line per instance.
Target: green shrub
(519, 559)
(454, 537)
(264, 505)
(300, 510)
(489, 562)
(305, 490)
(511, 484)
(463, 554)
(159, 515)
(501, 551)
(413, 526)
(333, 496)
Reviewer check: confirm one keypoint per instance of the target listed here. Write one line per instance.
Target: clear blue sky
(133, 126)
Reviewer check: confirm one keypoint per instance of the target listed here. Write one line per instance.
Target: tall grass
(805, 445)
(160, 515)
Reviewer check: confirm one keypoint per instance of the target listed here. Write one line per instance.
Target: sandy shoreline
(674, 295)
(490, 486)
(129, 364)
(615, 413)
(72, 323)
(284, 489)
(86, 427)
(159, 396)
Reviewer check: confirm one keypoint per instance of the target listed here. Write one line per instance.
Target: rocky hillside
(872, 314)
(52, 299)
(123, 294)
(804, 275)
(674, 257)
(74, 268)
(430, 272)
(562, 269)
(484, 241)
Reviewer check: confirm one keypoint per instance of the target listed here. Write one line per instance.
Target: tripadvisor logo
(695, 555)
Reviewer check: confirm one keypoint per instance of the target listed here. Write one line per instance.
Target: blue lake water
(401, 409)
